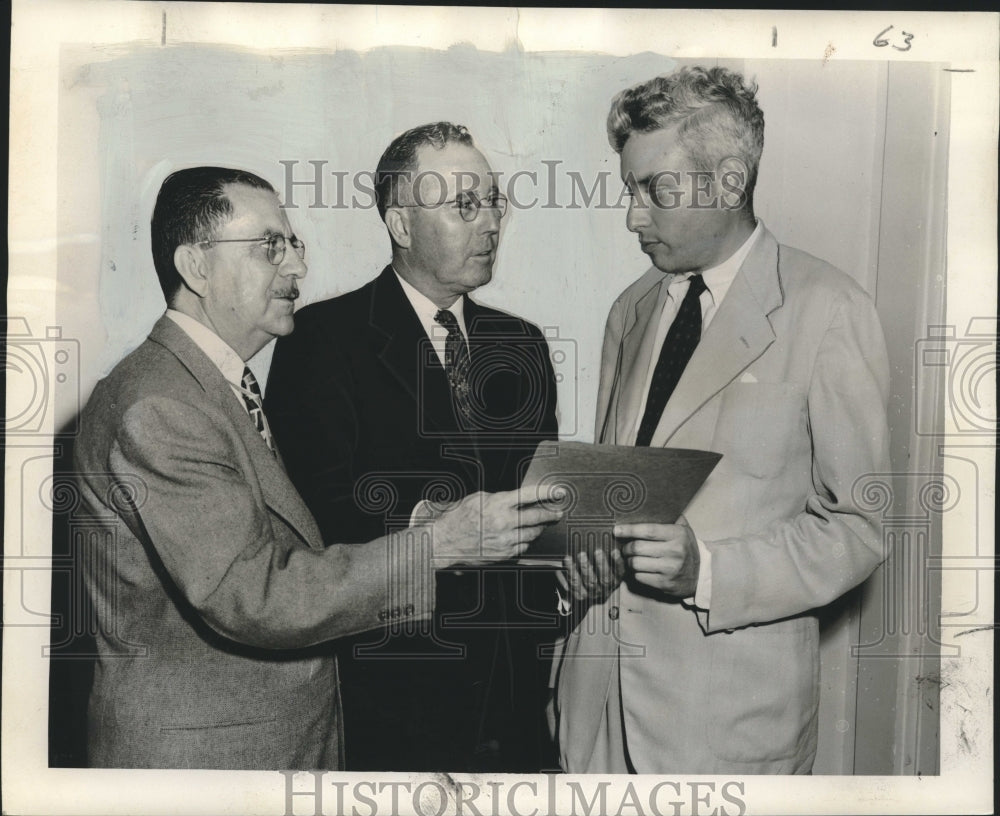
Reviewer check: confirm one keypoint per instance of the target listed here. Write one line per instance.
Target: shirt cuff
(563, 605)
(703, 591)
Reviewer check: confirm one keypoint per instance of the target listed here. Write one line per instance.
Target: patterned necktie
(678, 346)
(255, 405)
(456, 361)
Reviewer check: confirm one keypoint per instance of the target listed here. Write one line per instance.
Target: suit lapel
(279, 494)
(738, 334)
(639, 331)
(402, 345)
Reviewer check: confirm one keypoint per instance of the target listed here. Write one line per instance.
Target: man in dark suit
(207, 573)
(408, 390)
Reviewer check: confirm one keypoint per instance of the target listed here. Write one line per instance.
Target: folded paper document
(598, 486)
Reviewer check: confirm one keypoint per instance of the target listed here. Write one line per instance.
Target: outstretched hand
(486, 527)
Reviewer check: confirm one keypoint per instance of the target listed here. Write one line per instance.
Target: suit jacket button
(613, 613)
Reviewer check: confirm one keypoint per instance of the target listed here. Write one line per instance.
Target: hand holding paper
(600, 486)
(591, 577)
(662, 556)
(486, 527)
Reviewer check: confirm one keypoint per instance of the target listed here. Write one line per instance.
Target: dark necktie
(678, 346)
(456, 361)
(254, 402)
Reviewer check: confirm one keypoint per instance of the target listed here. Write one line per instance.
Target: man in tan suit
(697, 645)
(208, 575)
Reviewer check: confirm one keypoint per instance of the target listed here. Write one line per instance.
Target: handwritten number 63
(881, 42)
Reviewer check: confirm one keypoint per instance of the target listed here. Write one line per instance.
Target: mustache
(290, 292)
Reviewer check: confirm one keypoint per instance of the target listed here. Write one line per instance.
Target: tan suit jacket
(789, 383)
(209, 579)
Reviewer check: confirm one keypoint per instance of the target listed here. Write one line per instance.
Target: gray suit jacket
(210, 581)
(790, 384)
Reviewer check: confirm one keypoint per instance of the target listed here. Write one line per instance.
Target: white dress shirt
(426, 309)
(717, 279)
(438, 334)
(229, 363)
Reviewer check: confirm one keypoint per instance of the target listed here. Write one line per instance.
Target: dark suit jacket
(210, 580)
(362, 409)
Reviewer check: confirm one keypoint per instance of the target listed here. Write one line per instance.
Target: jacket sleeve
(244, 569)
(835, 542)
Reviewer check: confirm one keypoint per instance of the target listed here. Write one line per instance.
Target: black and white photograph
(424, 410)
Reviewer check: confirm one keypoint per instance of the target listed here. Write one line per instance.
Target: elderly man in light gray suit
(697, 647)
(207, 572)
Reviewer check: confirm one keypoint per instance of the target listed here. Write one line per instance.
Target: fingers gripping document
(598, 486)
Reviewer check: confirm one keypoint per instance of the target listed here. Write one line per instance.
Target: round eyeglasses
(275, 245)
(469, 205)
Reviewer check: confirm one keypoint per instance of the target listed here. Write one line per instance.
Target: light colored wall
(820, 176)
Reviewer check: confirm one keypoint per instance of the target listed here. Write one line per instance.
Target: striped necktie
(254, 402)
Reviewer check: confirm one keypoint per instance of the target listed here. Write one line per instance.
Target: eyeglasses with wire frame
(469, 204)
(275, 244)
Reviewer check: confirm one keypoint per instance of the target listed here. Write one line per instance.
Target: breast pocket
(759, 425)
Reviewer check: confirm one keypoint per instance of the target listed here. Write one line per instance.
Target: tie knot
(250, 382)
(447, 319)
(696, 285)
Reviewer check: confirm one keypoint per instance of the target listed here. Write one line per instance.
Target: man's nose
(489, 219)
(638, 214)
(292, 266)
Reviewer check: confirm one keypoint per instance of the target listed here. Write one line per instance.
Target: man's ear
(733, 175)
(397, 221)
(193, 268)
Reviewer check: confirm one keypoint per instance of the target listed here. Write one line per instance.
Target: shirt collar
(719, 277)
(216, 349)
(426, 309)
